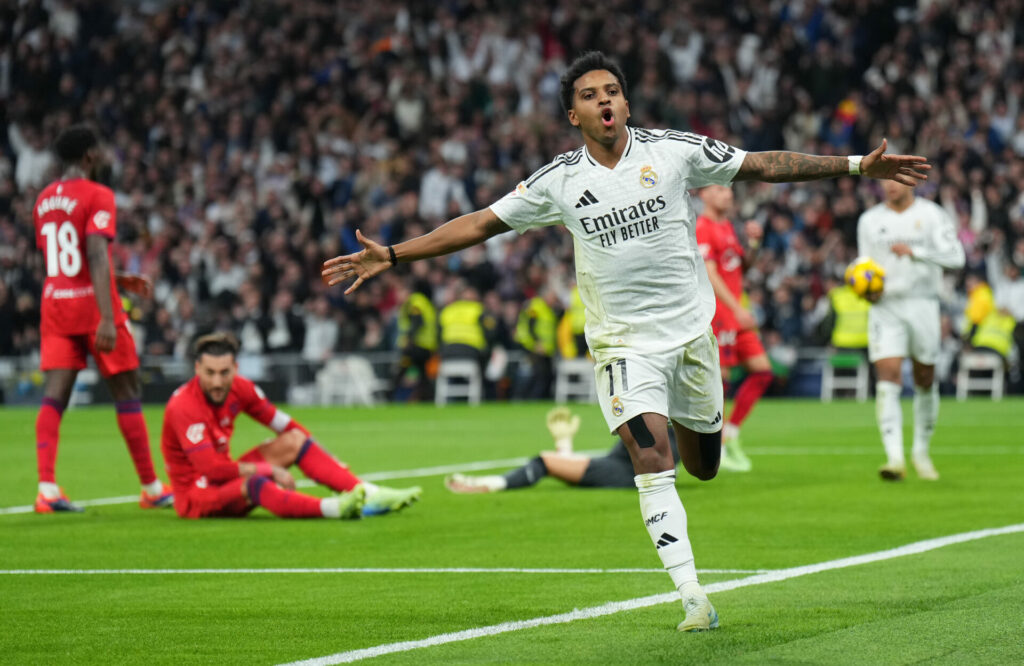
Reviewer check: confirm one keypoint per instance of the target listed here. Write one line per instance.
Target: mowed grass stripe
(656, 599)
(482, 465)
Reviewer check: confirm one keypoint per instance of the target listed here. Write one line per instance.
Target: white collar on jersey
(625, 153)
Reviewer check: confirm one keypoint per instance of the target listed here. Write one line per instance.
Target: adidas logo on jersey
(587, 199)
(666, 539)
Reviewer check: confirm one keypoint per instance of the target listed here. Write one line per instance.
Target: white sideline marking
(347, 570)
(515, 462)
(653, 600)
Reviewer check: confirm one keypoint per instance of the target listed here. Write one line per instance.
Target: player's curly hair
(74, 142)
(588, 62)
(215, 344)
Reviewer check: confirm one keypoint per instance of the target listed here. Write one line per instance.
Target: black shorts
(615, 468)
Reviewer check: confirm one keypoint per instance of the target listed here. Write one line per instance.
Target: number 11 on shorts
(611, 376)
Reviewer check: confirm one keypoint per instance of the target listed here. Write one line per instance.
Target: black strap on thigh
(710, 444)
(641, 433)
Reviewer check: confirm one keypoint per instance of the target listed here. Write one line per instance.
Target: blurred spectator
(251, 140)
(466, 329)
(536, 334)
(321, 331)
(285, 330)
(417, 342)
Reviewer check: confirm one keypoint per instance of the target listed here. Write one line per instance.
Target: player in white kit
(913, 239)
(623, 197)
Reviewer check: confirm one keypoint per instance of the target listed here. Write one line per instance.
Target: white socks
(890, 420)
(926, 413)
(154, 488)
(729, 433)
(50, 491)
(665, 519)
(330, 507)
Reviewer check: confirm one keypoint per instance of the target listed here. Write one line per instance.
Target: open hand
(905, 169)
(372, 260)
(136, 284)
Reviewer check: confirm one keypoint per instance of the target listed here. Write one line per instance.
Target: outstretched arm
(374, 258)
(779, 166)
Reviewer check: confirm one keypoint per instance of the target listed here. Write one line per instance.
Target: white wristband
(854, 164)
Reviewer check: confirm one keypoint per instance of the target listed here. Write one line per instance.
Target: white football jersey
(929, 232)
(640, 274)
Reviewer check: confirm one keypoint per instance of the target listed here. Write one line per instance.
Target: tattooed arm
(779, 166)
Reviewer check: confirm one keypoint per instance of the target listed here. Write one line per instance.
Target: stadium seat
(348, 380)
(845, 371)
(458, 378)
(574, 380)
(979, 371)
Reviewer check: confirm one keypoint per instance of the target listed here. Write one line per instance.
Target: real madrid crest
(617, 407)
(648, 177)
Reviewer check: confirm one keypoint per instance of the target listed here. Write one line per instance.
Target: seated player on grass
(612, 470)
(198, 423)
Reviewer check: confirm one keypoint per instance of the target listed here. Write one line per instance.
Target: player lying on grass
(612, 470)
(198, 423)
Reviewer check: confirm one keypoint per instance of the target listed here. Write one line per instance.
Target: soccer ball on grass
(866, 278)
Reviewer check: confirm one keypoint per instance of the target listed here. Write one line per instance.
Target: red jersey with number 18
(65, 213)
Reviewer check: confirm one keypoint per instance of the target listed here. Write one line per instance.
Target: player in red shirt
(198, 423)
(733, 325)
(75, 221)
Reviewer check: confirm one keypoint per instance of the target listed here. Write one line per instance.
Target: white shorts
(684, 384)
(904, 327)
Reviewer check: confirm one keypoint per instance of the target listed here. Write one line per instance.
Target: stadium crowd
(252, 139)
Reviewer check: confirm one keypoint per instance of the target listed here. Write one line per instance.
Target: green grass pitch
(812, 497)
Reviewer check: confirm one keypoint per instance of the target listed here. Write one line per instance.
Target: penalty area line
(656, 599)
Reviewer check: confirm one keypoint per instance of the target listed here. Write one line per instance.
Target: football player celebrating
(733, 325)
(648, 302)
(75, 221)
(198, 424)
(913, 239)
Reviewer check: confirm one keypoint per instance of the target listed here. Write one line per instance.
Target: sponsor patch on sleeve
(196, 432)
(101, 219)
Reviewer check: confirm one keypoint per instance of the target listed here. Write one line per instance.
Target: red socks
(133, 428)
(747, 395)
(323, 468)
(280, 502)
(47, 438)
(129, 419)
